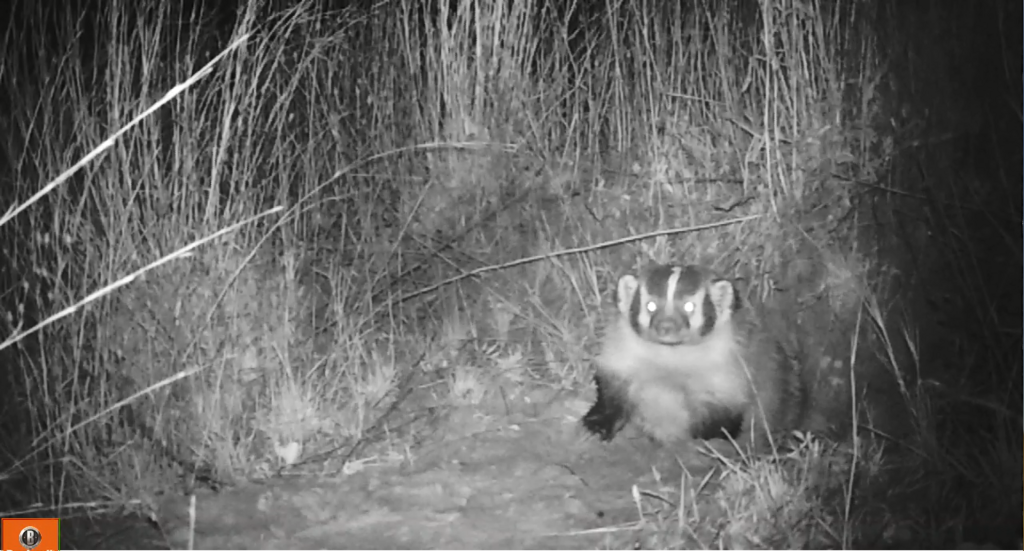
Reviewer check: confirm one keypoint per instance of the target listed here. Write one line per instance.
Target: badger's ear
(627, 289)
(724, 297)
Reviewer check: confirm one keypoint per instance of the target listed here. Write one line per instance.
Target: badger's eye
(652, 306)
(689, 307)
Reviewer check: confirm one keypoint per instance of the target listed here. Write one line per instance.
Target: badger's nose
(665, 326)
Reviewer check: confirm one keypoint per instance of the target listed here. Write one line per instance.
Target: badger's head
(676, 305)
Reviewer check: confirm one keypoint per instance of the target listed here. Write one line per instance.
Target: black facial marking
(710, 315)
(717, 422)
(690, 280)
(657, 280)
(634, 312)
(611, 411)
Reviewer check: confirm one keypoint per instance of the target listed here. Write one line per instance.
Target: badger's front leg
(612, 409)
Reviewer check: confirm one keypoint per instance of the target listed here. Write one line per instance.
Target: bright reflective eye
(652, 306)
(689, 307)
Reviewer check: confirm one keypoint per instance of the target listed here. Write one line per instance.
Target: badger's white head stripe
(670, 290)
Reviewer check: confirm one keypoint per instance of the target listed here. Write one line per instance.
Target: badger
(686, 360)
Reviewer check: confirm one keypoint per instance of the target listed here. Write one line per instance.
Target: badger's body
(685, 360)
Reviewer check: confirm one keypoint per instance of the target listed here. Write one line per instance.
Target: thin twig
(576, 250)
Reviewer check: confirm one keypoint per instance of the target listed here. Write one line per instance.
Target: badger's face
(675, 305)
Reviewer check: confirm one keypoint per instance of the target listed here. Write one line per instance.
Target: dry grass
(300, 215)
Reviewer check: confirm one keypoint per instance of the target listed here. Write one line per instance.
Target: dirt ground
(483, 480)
